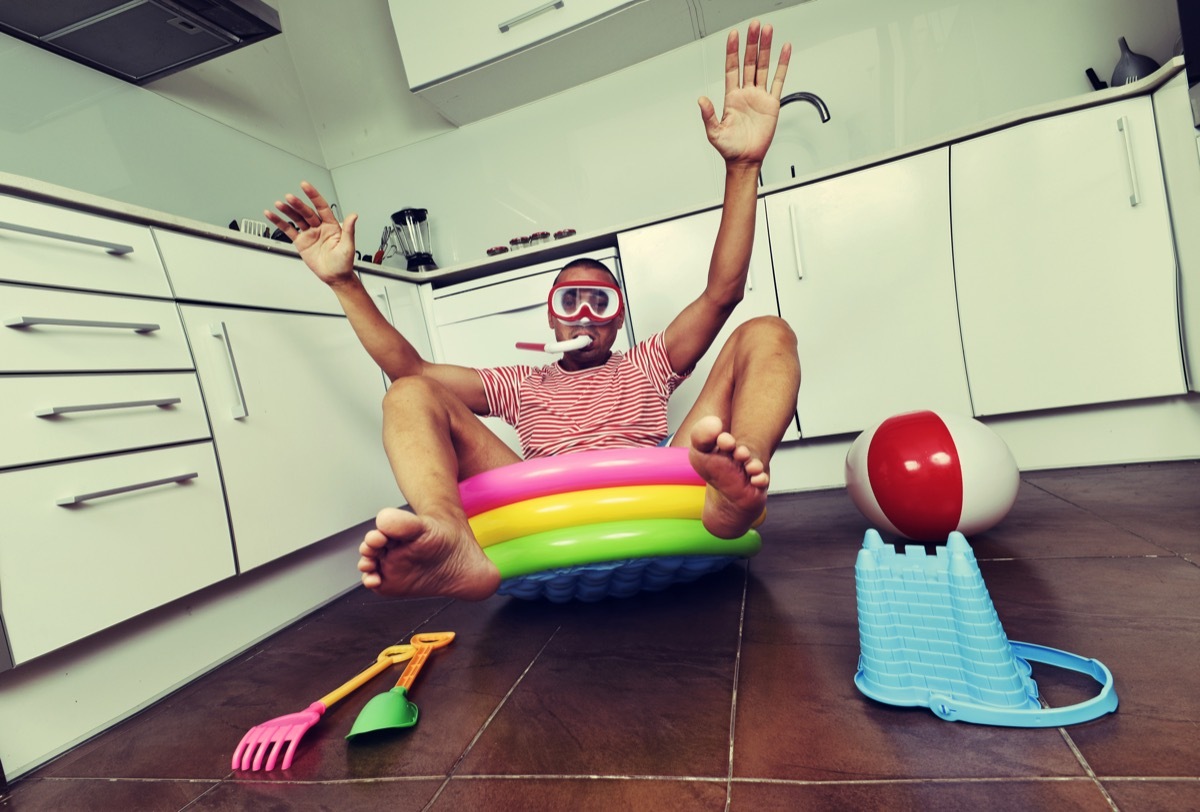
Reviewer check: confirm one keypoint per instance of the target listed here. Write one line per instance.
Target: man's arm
(742, 136)
(327, 247)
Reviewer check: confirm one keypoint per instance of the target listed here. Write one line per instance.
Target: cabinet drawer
(47, 418)
(57, 331)
(69, 571)
(204, 270)
(49, 245)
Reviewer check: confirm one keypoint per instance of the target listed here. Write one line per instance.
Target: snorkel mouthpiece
(576, 343)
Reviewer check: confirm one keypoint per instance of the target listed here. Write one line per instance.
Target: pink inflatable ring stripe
(545, 476)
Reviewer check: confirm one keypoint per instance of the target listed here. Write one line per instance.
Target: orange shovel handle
(423, 644)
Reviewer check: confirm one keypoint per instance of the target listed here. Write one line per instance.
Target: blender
(411, 226)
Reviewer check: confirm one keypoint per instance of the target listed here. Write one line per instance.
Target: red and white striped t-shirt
(620, 404)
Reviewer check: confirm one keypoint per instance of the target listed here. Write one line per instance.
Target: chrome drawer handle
(239, 411)
(529, 15)
(55, 411)
(68, 501)
(33, 321)
(116, 249)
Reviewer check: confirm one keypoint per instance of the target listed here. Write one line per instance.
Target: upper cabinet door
(865, 277)
(441, 39)
(666, 266)
(1065, 264)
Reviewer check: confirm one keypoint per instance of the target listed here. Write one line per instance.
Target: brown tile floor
(733, 692)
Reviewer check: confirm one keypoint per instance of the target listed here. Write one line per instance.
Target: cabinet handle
(239, 411)
(33, 321)
(69, 501)
(1134, 196)
(796, 241)
(750, 278)
(55, 411)
(529, 15)
(116, 249)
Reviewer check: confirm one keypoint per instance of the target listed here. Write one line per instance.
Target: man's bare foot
(737, 479)
(411, 556)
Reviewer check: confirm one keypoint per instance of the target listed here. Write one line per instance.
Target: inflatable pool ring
(597, 524)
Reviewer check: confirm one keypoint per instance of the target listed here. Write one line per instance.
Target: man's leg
(739, 419)
(432, 441)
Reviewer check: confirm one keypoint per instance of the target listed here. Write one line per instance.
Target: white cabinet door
(294, 403)
(666, 266)
(444, 38)
(865, 277)
(1064, 261)
(402, 304)
(472, 59)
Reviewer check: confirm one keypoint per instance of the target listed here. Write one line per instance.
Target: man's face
(603, 334)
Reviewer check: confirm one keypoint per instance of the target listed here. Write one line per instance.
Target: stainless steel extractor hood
(142, 40)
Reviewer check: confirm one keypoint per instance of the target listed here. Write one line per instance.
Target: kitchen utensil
(270, 737)
(412, 228)
(1131, 66)
(394, 710)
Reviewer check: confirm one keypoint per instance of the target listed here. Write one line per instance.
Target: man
(434, 438)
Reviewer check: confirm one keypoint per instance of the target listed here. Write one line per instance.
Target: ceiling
(331, 89)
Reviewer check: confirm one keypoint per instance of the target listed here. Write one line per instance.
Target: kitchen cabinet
(1179, 142)
(478, 323)
(294, 403)
(1064, 262)
(402, 304)
(89, 543)
(865, 277)
(58, 247)
(666, 267)
(472, 59)
(107, 440)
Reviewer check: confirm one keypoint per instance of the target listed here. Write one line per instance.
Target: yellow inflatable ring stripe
(587, 507)
(561, 510)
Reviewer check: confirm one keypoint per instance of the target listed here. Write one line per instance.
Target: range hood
(142, 40)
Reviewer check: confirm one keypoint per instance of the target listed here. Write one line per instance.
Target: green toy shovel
(394, 710)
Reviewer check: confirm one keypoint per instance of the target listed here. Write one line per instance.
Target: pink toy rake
(268, 739)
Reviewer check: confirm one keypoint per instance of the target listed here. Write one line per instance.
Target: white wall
(630, 146)
(63, 123)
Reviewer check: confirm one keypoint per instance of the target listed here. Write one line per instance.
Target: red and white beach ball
(923, 474)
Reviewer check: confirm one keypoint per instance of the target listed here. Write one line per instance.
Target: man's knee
(413, 390)
(765, 332)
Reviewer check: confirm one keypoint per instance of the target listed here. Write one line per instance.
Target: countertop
(33, 189)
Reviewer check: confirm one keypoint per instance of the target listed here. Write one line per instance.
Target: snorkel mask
(596, 302)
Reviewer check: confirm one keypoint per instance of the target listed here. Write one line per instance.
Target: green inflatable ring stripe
(614, 541)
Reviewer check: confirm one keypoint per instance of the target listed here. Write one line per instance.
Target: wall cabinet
(865, 276)
(472, 59)
(666, 266)
(1064, 260)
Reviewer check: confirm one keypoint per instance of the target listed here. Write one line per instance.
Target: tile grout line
(737, 671)
(487, 722)
(1088, 768)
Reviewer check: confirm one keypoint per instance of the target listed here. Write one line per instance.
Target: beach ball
(924, 474)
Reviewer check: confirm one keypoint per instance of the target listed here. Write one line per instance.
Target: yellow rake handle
(388, 657)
